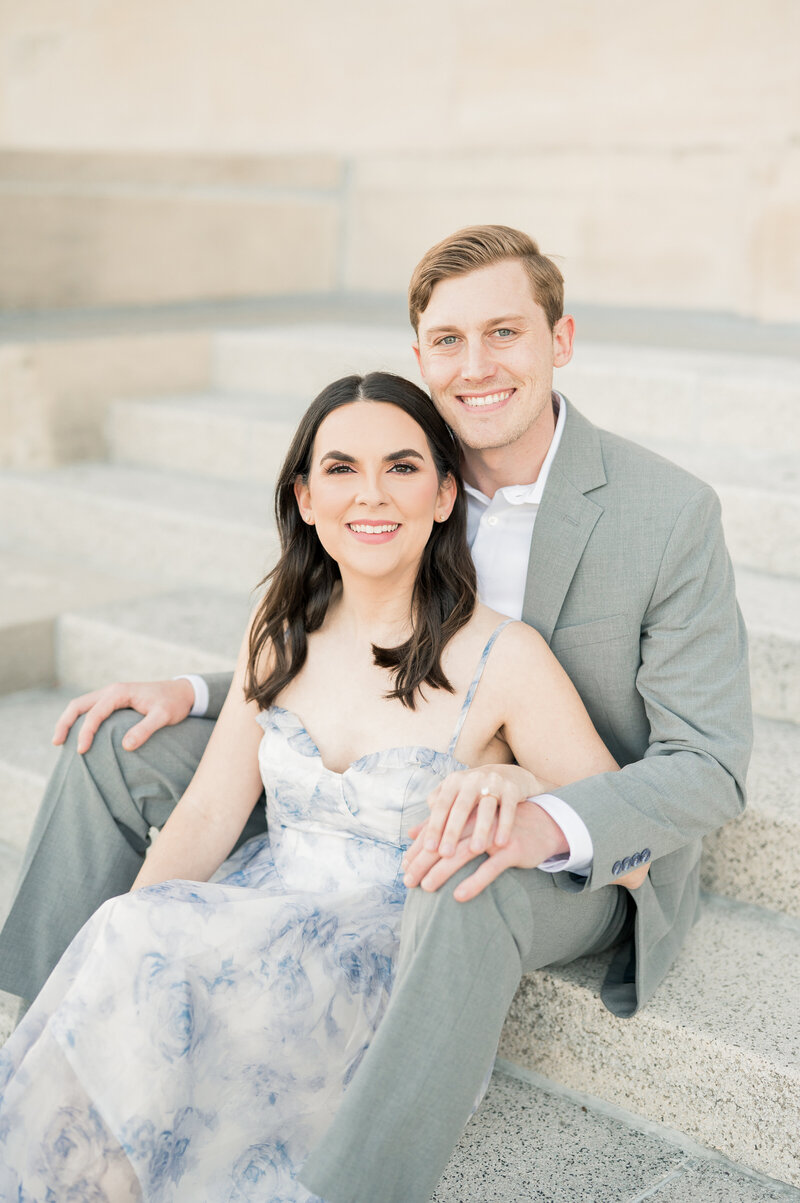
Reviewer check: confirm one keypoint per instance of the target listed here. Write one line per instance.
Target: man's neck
(518, 463)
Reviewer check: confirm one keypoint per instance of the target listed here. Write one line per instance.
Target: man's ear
(563, 336)
(415, 349)
(303, 496)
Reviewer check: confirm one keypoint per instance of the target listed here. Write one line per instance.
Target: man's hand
(534, 838)
(163, 704)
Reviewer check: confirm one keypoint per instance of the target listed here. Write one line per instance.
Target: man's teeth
(491, 399)
(361, 528)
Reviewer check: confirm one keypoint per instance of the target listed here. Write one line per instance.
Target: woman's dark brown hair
(301, 585)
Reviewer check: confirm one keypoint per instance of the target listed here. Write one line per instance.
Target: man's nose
(477, 362)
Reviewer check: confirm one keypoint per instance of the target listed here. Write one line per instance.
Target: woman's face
(373, 491)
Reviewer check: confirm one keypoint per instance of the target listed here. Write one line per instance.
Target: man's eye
(504, 331)
(449, 340)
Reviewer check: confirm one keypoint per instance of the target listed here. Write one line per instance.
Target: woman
(194, 1040)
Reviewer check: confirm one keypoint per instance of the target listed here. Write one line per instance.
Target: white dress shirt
(499, 533)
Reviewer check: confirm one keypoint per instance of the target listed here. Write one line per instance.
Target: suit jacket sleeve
(218, 686)
(694, 684)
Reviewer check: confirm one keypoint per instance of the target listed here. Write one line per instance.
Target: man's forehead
(500, 292)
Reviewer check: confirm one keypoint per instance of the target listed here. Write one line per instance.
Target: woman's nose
(371, 492)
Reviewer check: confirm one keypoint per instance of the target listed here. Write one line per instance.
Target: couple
(201, 1035)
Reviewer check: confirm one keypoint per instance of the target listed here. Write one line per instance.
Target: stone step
(36, 587)
(715, 1053)
(642, 392)
(164, 636)
(584, 1150)
(771, 608)
(144, 523)
(756, 859)
(238, 438)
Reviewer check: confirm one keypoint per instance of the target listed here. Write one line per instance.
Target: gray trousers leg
(91, 835)
(459, 967)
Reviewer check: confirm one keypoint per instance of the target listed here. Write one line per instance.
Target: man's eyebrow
(503, 320)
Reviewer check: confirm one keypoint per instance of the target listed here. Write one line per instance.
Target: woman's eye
(337, 469)
(404, 469)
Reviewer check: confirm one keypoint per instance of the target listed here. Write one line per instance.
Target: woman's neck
(378, 611)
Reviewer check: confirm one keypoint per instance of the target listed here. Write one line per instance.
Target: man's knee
(503, 905)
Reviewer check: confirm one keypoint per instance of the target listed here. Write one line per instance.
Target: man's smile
(486, 400)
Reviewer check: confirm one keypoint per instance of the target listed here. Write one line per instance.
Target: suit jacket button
(625, 865)
(616, 869)
(636, 860)
(646, 855)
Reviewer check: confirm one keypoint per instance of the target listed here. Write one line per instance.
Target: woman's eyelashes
(401, 468)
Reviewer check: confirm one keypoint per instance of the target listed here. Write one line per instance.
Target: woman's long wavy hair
(300, 587)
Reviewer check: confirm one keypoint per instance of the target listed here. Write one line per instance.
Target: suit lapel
(565, 520)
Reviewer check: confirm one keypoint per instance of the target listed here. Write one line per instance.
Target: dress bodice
(362, 814)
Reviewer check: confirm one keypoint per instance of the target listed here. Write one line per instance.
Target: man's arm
(694, 682)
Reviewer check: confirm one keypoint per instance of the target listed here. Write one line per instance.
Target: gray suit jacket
(630, 583)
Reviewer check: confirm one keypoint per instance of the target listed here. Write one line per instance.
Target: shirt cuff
(581, 849)
(200, 688)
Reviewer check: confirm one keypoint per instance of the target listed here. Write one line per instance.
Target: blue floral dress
(194, 1041)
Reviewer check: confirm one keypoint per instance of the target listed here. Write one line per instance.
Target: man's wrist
(579, 848)
(199, 694)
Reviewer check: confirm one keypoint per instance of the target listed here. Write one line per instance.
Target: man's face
(487, 354)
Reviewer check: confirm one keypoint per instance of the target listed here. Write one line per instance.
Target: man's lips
(486, 401)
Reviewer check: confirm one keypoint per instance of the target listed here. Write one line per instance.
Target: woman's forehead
(371, 427)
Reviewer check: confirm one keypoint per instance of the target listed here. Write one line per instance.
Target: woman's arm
(212, 813)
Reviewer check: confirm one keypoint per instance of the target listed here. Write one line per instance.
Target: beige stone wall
(656, 147)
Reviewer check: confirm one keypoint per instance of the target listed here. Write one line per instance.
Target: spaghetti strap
(474, 684)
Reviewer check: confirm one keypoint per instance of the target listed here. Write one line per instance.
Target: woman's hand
(487, 794)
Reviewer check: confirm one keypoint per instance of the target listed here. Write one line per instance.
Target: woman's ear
(303, 496)
(446, 498)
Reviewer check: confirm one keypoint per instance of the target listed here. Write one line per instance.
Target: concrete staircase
(139, 565)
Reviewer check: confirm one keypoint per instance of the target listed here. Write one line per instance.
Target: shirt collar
(529, 494)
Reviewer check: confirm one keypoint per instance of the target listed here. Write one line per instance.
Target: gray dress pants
(458, 969)
(91, 835)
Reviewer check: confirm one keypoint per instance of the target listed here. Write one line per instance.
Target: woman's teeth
(361, 528)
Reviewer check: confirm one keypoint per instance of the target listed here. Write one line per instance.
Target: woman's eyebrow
(344, 458)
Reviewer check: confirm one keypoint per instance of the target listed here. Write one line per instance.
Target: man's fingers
(446, 866)
(141, 732)
(486, 872)
(95, 715)
(70, 713)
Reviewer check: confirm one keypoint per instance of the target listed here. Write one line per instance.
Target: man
(618, 559)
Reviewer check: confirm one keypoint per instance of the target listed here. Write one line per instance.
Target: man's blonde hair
(479, 246)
